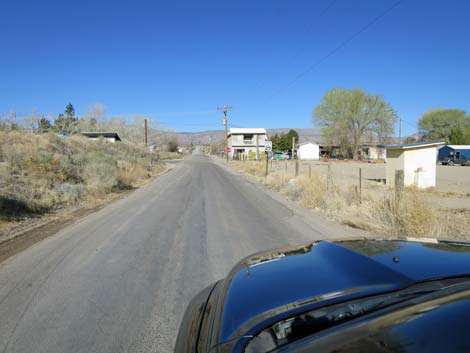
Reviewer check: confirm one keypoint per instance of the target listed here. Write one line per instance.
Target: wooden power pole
(225, 110)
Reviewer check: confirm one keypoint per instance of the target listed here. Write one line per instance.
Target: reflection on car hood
(321, 273)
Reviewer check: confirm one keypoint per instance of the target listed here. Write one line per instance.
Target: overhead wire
(338, 47)
(308, 30)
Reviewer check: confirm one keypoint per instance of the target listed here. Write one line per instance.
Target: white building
(308, 151)
(418, 162)
(246, 142)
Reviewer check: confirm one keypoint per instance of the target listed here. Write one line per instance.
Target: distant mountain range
(204, 137)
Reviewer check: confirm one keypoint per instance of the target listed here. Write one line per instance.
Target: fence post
(360, 185)
(399, 183)
(267, 161)
(296, 168)
(328, 177)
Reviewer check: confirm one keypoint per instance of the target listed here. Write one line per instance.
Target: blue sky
(176, 61)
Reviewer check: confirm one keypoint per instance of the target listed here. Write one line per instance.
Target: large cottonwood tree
(347, 116)
(450, 125)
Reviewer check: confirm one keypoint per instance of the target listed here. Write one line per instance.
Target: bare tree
(11, 121)
(30, 121)
(93, 118)
(98, 114)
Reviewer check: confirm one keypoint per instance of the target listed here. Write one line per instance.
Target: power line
(321, 14)
(204, 112)
(410, 124)
(338, 47)
(307, 31)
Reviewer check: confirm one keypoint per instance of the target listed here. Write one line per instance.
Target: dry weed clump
(454, 224)
(412, 214)
(169, 155)
(254, 168)
(278, 181)
(314, 191)
(129, 173)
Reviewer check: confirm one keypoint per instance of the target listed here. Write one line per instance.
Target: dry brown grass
(278, 181)
(314, 191)
(378, 210)
(250, 167)
(44, 172)
(410, 215)
(169, 155)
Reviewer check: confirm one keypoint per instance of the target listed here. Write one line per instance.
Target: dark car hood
(270, 284)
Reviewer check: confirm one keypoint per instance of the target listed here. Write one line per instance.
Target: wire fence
(366, 179)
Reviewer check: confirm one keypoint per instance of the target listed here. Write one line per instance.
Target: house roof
(459, 147)
(104, 134)
(378, 145)
(307, 143)
(254, 131)
(408, 146)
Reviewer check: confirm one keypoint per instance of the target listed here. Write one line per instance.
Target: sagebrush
(42, 172)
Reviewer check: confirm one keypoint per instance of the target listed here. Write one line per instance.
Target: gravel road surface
(119, 279)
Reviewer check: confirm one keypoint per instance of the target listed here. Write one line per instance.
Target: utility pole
(225, 110)
(145, 131)
(399, 129)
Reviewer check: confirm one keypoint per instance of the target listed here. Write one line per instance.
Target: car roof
(271, 283)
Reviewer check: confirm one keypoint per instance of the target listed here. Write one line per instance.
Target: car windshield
(306, 324)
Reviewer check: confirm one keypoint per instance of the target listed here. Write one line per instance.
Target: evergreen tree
(67, 122)
(44, 125)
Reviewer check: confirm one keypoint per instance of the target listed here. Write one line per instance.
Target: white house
(246, 141)
(308, 151)
(417, 160)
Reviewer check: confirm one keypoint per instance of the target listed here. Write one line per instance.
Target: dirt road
(119, 280)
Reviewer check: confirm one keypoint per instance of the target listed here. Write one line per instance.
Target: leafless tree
(30, 121)
(93, 118)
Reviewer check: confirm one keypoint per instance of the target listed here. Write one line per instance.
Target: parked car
(453, 161)
(344, 296)
(278, 155)
(454, 154)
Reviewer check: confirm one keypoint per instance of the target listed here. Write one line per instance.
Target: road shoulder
(28, 234)
(318, 222)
